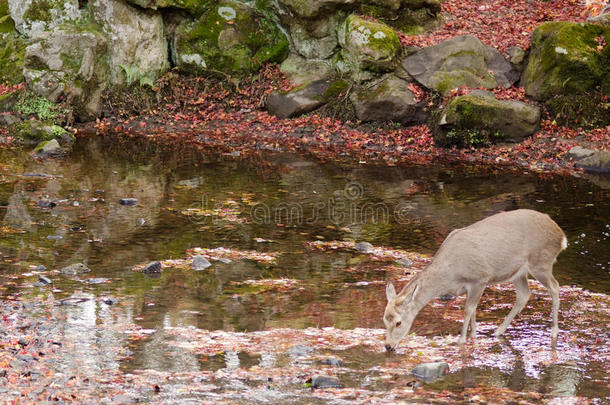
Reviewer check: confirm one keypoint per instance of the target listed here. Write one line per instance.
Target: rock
(478, 119)
(578, 152)
(301, 101)
(74, 269)
(12, 54)
(299, 351)
(313, 8)
(364, 247)
(55, 237)
(7, 119)
(403, 261)
(48, 149)
(231, 37)
(389, 99)
(138, 48)
(46, 203)
(34, 17)
(563, 60)
(110, 300)
(40, 267)
(316, 39)
(324, 381)
(200, 263)
(96, 280)
(34, 131)
(45, 280)
(69, 64)
(301, 71)
(367, 45)
(332, 361)
(128, 201)
(410, 17)
(598, 162)
(429, 372)
(516, 57)
(152, 267)
(193, 7)
(460, 61)
(8, 101)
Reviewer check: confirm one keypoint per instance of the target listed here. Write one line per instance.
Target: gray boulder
(138, 51)
(74, 269)
(325, 381)
(364, 247)
(313, 8)
(578, 152)
(479, 118)
(301, 101)
(46, 149)
(33, 17)
(316, 39)
(301, 71)
(389, 99)
(460, 61)
(70, 64)
(598, 162)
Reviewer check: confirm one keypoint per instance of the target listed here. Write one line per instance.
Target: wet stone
(299, 351)
(200, 263)
(325, 381)
(45, 280)
(40, 267)
(429, 372)
(110, 300)
(446, 297)
(128, 201)
(44, 203)
(152, 267)
(332, 361)
(55, 237)
(74, 269)
(404, 262)
(364, 247)
(98, 280)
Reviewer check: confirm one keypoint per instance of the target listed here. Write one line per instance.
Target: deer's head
(399, 314)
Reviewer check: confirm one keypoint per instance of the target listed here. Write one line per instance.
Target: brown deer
(503, 247)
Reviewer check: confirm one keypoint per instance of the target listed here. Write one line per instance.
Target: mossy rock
(369, 45)
(231, 37)
(194, 7)
(12, 54)
(478, 119)
(35, 131)
(314, 8)
(6, 21)
(9, 100)
(411, 17)
(566, 58)
(586, 111)
(45, 15)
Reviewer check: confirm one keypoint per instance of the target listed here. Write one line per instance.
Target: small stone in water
(324, 381)
(364, 247)
(403, 261)
(152, 267)
(45, 280)
(332, 361)
(98, 280)
(128, 201)
(110, 300)
(46, 203)
(200, 263)
(54, 237)
(40, 267)
(76, 268)
(429, 372)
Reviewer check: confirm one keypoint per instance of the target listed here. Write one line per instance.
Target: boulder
(389, 99)
(47, 149)
(74, 269)
(598, 162)
(138, 48)
(33, 131)
(304, 100)
(8, 101)
(69, 64)
(368, 45)
(230, 37)
(301, 71)
(314, 8)
(12, 54)
(429, 372)
(33, 17)
(478, 118)
(566, 59)
(325, 381)
(460, 61)
(194, 7)
(7, 119)
(316, 39)
(409, 17)
(364, 247)
(578, 152)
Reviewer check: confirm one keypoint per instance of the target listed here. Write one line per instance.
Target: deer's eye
(398, 324)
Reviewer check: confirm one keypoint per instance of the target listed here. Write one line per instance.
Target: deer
(503, 247)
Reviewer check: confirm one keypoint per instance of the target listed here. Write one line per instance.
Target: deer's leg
(470, 307)
(546, 278)
(523, 295)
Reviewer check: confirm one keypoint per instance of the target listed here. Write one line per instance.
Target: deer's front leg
(470, 307)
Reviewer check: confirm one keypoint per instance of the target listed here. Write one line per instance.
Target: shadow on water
(272, 203)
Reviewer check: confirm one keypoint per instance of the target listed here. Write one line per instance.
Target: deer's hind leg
(545, 276)
(523, 295)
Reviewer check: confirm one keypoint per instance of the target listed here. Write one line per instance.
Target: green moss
(39, 10)
(335, 89)
(409, 19)
(564, 59)
(580, 111)
(12, 54)
(44, 109)
(6, 22)
(231, 37)
(444, 82)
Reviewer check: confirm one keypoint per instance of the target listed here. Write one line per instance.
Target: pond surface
(58, 212)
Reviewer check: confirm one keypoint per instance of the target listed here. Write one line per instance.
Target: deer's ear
(390, 291)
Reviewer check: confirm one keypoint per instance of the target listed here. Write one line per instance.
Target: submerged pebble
(74, 269)
(200, 263)
(429, 372)
(325, 381)
(128, 201)
(152, 267)
(364, 247)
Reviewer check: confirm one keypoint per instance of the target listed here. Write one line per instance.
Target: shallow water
(270, 203)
